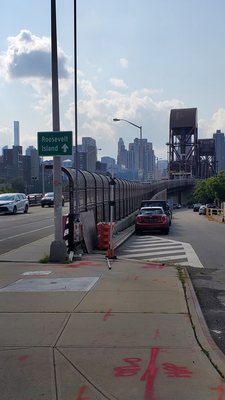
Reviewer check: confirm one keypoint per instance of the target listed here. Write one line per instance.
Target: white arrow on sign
(65, 148)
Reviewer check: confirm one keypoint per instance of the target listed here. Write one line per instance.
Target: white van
(11, 203)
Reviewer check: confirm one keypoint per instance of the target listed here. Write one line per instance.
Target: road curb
(201, 330)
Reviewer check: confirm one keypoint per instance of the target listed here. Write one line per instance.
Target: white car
(11, 203)
(202, 210)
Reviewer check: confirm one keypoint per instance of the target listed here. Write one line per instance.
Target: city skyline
(134, 63)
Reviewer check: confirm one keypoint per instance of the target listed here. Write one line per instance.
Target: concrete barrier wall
(160, 195)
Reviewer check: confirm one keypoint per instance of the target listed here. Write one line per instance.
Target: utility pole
(58, 250)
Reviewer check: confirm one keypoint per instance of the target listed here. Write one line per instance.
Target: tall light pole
(58, 251)
(131, 123)
(141, 149)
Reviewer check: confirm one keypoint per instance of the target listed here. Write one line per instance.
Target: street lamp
(131, 123)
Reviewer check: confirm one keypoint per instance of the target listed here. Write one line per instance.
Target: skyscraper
(16, 133)
(218, 136)
(89, 147)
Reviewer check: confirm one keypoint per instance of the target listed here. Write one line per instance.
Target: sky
(136, 60)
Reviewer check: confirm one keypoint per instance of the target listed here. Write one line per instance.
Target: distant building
(81, 160)
(220, 150)
(16, 133)
(12, 163)
(101, 168)
(89, 147)
(110, 163)
(68, 163)
(122, 154)
(29, 150)
(140, 158)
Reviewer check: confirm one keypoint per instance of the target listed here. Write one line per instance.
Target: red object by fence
(103, 233)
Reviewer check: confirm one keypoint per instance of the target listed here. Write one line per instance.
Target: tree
(202, 192)
(211, 189)
(18, 184)
(217, 186)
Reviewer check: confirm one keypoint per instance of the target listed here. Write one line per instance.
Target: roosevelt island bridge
(95, 198)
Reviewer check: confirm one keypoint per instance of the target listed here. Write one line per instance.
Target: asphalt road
(206, 237)
(20, 229)
(208, 240)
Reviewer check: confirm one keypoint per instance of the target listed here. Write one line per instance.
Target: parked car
(152, 218)
(202, 210)
(176, 206)
(11, 203)
(159, 203)
(48, 199)
(196, 207)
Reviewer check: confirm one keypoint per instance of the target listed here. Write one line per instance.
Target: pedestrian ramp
(152, 248)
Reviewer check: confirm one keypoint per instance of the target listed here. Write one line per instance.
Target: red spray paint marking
(156, 266)
(157, 334)
(128, 370)
(150, 374)
(221, 391)
(81, 264)
(80, 394)
(23, 357)
(175, 371)
(107, 314)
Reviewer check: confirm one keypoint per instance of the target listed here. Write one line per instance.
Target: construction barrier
(103, 233)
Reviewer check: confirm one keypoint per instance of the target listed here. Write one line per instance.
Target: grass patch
(44, 260)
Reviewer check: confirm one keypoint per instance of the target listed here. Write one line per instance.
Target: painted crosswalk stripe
(151, 248)
(157, 250)
(155, 253)
(162, 250)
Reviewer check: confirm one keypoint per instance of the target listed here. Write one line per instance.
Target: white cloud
(28, 59)
(217, 122)
(117, 83)
(30, 56)
(124, 62)
(96, 112)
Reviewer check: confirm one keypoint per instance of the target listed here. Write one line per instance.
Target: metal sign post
(58, 250)
(110, 252)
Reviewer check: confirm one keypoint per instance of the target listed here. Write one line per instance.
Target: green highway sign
(55, 143)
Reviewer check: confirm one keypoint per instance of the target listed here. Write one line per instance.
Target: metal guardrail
(215, 214)
(34, 199)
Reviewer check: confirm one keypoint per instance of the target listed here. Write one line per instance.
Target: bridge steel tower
(207, 165)
(183, 141)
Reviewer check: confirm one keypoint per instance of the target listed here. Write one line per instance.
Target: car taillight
(139, 218)
(164, 218)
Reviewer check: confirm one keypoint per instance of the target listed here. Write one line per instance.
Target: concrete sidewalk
(102, 329)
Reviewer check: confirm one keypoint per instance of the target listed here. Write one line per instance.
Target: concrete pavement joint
(106, 396)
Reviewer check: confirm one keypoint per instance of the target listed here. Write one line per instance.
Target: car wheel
(26, 209)
(137, 232)
(14, 210)
(166, 231)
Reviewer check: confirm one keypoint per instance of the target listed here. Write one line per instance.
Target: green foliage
(45, 259)
(218, 186)
(18, 184)
(5, 187)
(202, 192)
(211, 189)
